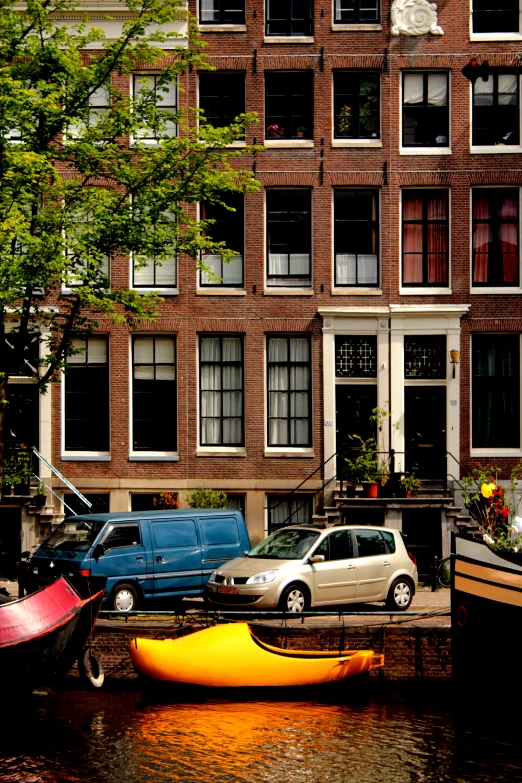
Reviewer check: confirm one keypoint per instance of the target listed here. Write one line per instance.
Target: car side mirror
(316, 559)
(99, 550)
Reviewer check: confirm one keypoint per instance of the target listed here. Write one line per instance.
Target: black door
(423, 534)
(21, 417)
(425, 430)
(10, 542)
(354, 405)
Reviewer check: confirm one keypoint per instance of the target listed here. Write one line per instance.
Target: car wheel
(124, 598)
(400, 595)
(294, 598)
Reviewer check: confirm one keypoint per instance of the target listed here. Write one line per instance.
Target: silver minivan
(303, 566)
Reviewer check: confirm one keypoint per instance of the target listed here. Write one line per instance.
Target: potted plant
(275, 131)
(300, 131)
(344, 121)
(40, 495)
(410, 485)
(17, 470)
(364, 467)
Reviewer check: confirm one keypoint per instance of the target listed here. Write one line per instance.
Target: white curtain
(207, 10)
(299, 264)
(278, 264)
(507, 89)
(413, 88)
(437, 89)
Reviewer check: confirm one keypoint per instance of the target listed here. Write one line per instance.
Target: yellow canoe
(230, 656)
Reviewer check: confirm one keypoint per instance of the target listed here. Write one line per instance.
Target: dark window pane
(100, 504)
(357, 11)
(425, 357)
(228, 227)
(495, 408)
(495, 110)
(154, 404)
(370, 543)
(289, 237)
(289, 104)
(356, 105)
(289, 17)
(356, 239)
(222, 96)
(122, 535)
(500, 17)
(87, 398)
(222, 12)
(495, 237)
(425, 110)
(356, 357)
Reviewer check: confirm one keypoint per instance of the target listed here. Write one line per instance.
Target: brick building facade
(384, 234)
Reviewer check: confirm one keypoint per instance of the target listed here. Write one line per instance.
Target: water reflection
(116, 736)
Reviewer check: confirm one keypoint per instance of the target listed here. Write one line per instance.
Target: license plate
(227, 590)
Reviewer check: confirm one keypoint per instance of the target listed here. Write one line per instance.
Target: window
(160, 268)
(222, 11)
(356, 356)
(289, 17)
(356, 238)
(289, 510)
(289, 391)
(496, 113)
(496, 17)
(289, 104)
(425, 110)
(356, 105)
(222, 96)
(495, 393)
(289, 237)
(87, 396)
(425, 357)
(122, 535)
(151, 90)
(235, 503)
(100, 504)
(357, 11)
(87, 265)
(154, 403)
(221, 391)
(336, 546)
(229, 227)
(370, 543)
(98, 104)
(425, 238)
(495, 237)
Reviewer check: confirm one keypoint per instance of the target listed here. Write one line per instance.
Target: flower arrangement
(275, 130)
(493, 507)
(344, 121)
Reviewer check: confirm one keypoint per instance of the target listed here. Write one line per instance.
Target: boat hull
(42, 634)
(486, 608)
(230, 656)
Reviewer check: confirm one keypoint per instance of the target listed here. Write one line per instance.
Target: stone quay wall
(412, 652)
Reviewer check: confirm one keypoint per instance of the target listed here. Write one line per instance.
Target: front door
(425, 431)
(354, 406)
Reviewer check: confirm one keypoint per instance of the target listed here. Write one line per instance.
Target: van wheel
(295, 598)
(400, 595)
(124, 598)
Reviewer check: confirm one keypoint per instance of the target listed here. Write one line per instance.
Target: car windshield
(73, 535)
(285, 545)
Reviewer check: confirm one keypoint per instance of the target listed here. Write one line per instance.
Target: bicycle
(443, 574)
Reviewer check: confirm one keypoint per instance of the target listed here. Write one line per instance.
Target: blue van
(144, 555)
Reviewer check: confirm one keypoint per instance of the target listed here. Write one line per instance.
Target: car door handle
(386, 562)
(139, 557)
(350, 567)
(159, 559)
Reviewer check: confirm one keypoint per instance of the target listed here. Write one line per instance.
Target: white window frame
(495, 36)
(136, 140)
(358, 290)
(282, 290)
(447, 150)
(495, 149)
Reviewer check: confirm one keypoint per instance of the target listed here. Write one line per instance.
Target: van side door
(124, 555)
(221, 540)
(176, 557)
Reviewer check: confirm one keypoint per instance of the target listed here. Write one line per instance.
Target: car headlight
(212, 577)
(263, 578)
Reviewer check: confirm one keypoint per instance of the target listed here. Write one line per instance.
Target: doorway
(354, 404)
(425, 431)
(10, 541)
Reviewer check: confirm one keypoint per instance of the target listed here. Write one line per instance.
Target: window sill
(290, 453)
(154, 456)
(288, 292)
(495, 37)
(220, 292)
(495, 452)
(496, 149)
(425, 151)
(236, 145)
(357, 28)
(221, 451)
(288, 144)
(356, 291)
(497, 290)
(376, 143)
(288, 39)
(222, 28)
(86, 456)
(159, 291)
(420, 291)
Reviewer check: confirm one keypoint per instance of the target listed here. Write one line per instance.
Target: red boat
(43, 634)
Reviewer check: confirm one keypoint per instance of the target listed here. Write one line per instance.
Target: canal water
(121, 735)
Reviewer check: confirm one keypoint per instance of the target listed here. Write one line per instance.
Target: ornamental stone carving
(414, 17)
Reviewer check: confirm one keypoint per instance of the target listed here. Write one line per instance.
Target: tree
(74, 192)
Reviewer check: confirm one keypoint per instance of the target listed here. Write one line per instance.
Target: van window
(219, 530)
(182, 532)
(122, 535)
